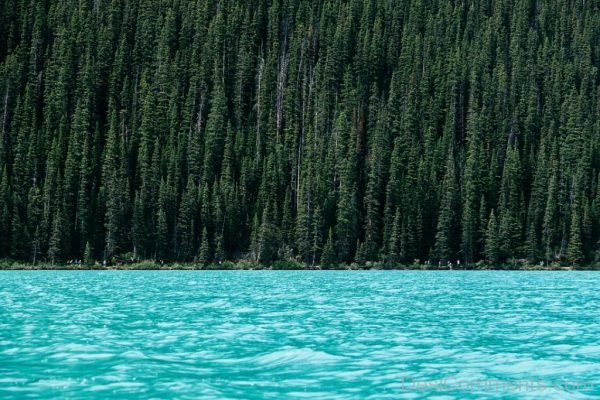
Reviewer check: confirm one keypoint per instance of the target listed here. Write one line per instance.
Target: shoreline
(147, 266)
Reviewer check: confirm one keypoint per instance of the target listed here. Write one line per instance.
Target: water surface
(301, 334)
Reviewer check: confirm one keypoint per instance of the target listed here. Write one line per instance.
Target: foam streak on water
(307, 335)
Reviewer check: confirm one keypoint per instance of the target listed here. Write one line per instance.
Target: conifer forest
(321, 132)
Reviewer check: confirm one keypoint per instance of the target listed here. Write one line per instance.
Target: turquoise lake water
(299, 334)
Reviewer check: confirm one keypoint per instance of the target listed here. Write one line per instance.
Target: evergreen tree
(446, 228)
(328, 257)
(204, 251)
(492, 245)
(88, 255)
(129, 128)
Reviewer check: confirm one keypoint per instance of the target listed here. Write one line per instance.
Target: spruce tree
(446, 228)
(328, 257)
(398, 127)
(575, 246)
(492, 243)
(204, 251)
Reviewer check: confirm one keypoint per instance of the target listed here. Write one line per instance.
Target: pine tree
(55, 249)
(303, 224)
(492, 245)
(471, 198)
(328, 257)
(510, 206)
(4, 213)
(185, 224)
(394, 246)
(575, 247)
(88, 255)
(162, 232)
(204, 252)
(446, 228)
(267, 241)
(114, 190)
(398, 127)
(347, 209)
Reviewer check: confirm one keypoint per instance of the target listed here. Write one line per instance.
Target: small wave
(54, 383)
(134, 355)
(125, 386)
(244, 310)
(296, 356)
(78, 348)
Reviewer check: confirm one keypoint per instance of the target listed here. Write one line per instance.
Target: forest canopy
(326, 132)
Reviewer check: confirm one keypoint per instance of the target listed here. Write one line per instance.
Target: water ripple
(274, 335)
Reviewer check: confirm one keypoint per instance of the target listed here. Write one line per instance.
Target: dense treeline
(328, 132)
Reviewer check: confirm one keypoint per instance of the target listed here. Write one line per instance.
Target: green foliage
(204, 252)
(88, 255)
(328, 257)
(492, 241)
(330, 132)
(575, 246)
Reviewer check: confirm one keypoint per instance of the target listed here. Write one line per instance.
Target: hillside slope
(330, 132)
